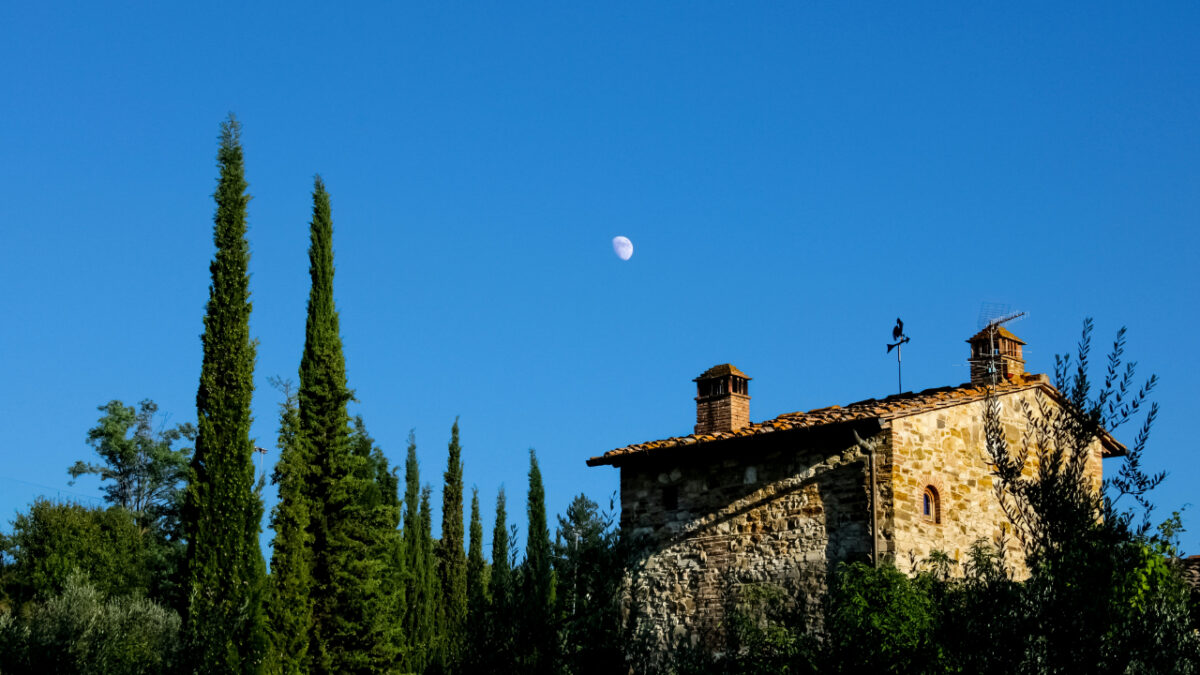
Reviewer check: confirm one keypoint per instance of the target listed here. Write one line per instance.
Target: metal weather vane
(899, 339)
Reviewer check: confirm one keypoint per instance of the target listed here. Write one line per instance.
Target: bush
(80, 631)
(881, 621)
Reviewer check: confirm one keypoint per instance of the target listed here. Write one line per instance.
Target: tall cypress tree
(289, 603)
(499, 585)
(451, 558)
(412, 656)
(381, 601)
(476, 590)
(537, 581)
(477, 603)
(501, 625)
(346, 634)
(429, 633)
(222, 516)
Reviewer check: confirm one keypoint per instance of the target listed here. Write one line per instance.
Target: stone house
(784, 500)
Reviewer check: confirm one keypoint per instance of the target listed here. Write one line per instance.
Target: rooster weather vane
(899, 339)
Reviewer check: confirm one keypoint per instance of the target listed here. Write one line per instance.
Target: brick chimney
(722, 400)
(997, 350)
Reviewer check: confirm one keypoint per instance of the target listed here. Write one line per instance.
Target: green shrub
(80, 631)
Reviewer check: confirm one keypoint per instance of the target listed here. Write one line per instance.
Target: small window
(931, 507)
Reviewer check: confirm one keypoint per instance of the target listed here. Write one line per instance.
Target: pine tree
(451, 558)
(225, 628)
(289, 603)
(537, 580)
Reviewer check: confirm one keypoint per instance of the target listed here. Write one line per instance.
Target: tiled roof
(892, 407)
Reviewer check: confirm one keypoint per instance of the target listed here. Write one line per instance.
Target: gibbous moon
(623, 247)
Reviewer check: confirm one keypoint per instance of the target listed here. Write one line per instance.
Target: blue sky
(794, 176)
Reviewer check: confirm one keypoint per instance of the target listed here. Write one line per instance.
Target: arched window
(931, 506)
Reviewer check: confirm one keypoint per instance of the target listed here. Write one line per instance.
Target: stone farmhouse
(783, 501)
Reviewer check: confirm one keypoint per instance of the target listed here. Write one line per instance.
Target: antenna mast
(991, 328)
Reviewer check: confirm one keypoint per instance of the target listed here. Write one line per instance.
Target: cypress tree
(289, 604)
(382, 599)
(414, 568)
(346, 634)
(451, 558)
(429, 634)
(225, 628)
(476, 566)
(476, 590)
(501, 625)
(537, 579)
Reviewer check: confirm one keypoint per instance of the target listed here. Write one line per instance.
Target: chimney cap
(1001, 332)
(721, 371)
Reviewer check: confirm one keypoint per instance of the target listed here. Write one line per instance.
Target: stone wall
(945, 449)
(780, 511)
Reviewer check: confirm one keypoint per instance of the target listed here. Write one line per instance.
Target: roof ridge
(887, 408)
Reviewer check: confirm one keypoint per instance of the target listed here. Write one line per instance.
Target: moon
(623, 247)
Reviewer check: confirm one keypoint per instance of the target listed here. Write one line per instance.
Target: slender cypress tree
(476, 566)
(429, 633)
(501, 625)
(451, 558)
(537, 579)
(477, 603)
(499, 584)
(289, 604)
(346, 634)
(225, 628)
(412, 659)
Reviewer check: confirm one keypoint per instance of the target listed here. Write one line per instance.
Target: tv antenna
(991, 317)
(900, 338)
(261, 452)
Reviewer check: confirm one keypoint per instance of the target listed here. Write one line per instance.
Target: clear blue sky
(794, 176)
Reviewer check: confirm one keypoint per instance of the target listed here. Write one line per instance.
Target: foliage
(1100, 596)
(142, 470)
(588, 569)
(80, 630)
(289, 601)
(53, 539)
(881, 621)
(222, 512)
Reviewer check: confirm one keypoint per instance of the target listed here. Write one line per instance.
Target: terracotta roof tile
(892, 407)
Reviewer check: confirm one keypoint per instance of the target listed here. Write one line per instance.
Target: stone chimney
(995, 352)
(722, 400)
